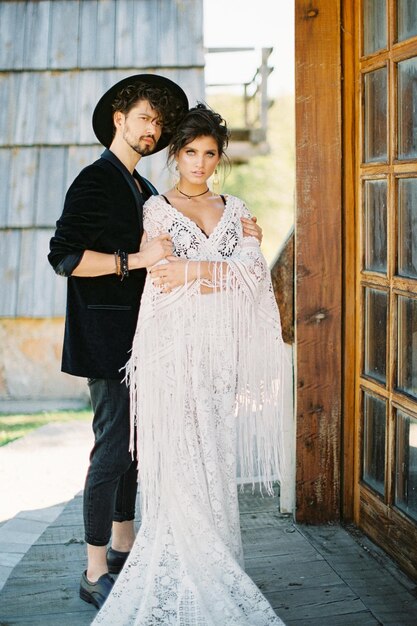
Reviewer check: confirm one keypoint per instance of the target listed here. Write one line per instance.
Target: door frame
(318, 261)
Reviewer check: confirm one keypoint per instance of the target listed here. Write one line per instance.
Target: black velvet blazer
(102, 212)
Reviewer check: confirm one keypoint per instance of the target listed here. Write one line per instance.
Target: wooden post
(282, 274)
(318, 260)
(350, 436)
(265, 71)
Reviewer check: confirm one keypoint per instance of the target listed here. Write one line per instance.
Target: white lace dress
(205, 376)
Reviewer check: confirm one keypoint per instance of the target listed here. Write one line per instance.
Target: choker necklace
(188, 196)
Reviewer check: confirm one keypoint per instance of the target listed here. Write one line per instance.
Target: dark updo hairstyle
(200, 121)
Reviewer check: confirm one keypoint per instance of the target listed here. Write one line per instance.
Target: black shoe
(116, 560)
(95, 593)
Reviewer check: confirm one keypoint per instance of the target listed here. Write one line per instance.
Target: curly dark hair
(161, 100)
(200, 121)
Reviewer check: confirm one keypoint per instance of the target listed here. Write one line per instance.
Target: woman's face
(198, 159)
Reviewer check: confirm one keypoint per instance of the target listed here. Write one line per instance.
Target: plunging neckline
(194, 223)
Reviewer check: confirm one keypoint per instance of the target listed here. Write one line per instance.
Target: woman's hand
(251, 228)
(173, 274)
(177, 272)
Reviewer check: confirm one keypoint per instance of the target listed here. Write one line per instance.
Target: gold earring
(216, 181)
(176, 175)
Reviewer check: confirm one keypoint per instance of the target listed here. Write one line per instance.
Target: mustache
(147, 137)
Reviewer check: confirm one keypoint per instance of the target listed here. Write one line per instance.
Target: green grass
(13, 427)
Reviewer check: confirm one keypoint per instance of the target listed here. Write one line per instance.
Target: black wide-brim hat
(103, 113)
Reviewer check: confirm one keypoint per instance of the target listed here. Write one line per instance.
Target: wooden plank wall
(56, 59)
(64, 34)
(318, 260)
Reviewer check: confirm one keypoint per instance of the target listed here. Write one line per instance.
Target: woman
(205, 376)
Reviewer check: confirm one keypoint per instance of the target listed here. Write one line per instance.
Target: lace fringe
(177, 343)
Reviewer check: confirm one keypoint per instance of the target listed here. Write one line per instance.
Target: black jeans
(111, 482)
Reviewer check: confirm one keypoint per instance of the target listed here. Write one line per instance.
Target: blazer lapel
(109, 156)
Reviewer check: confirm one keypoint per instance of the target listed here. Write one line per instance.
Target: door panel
(384, 123)
(375, 110)
(406, 466)
(374, 442)
(375, 226)
(407, 227)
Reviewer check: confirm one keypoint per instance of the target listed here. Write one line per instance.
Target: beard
(140, 146)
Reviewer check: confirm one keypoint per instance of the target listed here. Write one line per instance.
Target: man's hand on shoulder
(251, 228)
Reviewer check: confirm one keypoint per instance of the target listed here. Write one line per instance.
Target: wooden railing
(254, 92)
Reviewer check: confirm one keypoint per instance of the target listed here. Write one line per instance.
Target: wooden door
(381, 271)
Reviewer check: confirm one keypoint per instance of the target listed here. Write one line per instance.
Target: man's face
(141, 127)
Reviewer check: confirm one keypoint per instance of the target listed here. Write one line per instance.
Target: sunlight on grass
(13, 427)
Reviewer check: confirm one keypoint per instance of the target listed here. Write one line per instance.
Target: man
(96, 245)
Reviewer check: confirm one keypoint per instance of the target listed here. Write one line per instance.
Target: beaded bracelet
(121, 260)
(124, 264)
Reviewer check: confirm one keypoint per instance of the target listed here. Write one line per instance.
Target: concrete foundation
(30, 367)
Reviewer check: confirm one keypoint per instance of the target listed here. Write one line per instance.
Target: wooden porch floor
(313, 576)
